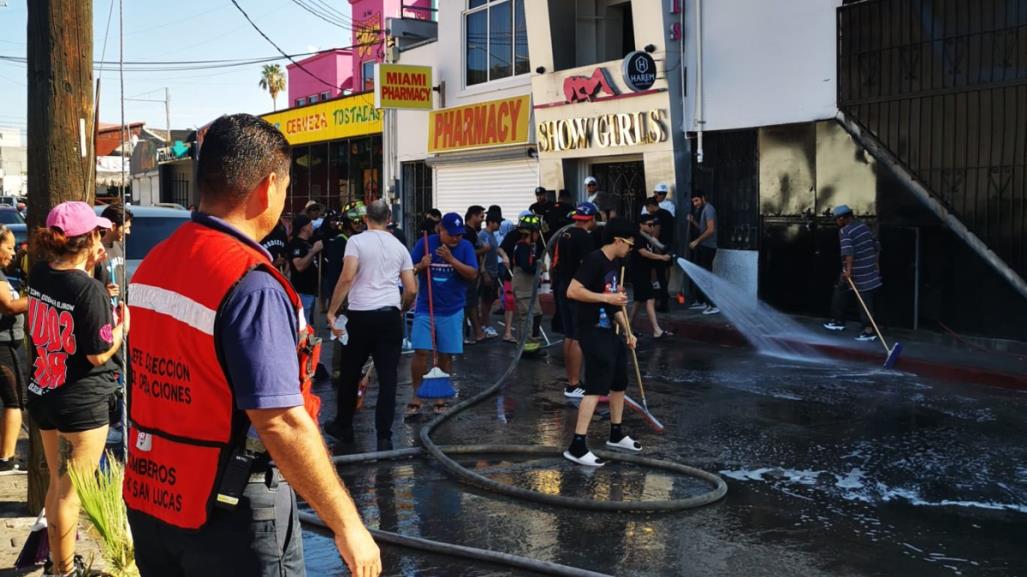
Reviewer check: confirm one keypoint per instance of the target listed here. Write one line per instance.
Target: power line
(322, 15)
(272, 43)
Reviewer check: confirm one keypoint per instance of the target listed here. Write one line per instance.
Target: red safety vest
(184, 422)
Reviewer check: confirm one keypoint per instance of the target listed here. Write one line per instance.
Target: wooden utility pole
(61, 150)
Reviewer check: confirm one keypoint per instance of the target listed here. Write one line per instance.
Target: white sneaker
(626, 443)
(575, 393)
(697, 306)
(491, 332)
(588, 459)
(833, 326)
(711, 311)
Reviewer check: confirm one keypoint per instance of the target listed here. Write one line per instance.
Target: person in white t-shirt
(374, 263)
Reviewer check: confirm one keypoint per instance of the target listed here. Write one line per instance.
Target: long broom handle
(869, 316)
(431, 306)
(634, 355)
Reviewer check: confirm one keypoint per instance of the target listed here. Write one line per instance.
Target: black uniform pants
(261, 537)
(703, 256)
(377, 334)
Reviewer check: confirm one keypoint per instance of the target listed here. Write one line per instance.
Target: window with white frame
(325, 96)
(301, 101)
(495, 40)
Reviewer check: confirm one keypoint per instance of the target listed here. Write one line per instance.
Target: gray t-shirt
(491, 265)
(708, 213)
(12, 327)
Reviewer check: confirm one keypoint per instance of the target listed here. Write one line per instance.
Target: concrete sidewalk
(16, 523)
(993, 362)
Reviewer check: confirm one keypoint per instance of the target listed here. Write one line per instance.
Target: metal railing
(943, 85)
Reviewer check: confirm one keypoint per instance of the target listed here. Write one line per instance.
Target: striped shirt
(858, 242)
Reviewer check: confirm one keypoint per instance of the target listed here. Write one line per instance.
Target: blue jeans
(309, 301)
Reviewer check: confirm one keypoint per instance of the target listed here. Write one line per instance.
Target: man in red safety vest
(222, 420)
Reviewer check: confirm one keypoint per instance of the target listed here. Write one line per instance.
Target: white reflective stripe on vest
(175, 305)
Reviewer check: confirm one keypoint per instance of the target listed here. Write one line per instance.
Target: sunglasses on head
(628, 241)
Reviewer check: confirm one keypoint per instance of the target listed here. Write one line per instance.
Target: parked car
(10, 217)
(150, 225)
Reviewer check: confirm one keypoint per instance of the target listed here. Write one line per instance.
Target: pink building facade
(335, 66)
(352, 69)
(369, 32)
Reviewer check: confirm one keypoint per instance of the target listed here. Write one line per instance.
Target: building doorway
(624, 181)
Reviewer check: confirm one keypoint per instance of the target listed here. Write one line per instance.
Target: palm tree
(272, 79)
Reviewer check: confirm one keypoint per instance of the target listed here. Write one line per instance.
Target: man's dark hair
(473, 211)
(651, 201)
(379, 212)
(618, 227)
(117, 214)
(698, 194)
(238, 152)
(566, 196)
(434, 213)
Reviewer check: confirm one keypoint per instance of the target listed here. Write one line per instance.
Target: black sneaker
(9, 467)
(340, 433)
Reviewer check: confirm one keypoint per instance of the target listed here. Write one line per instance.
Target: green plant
(272, 79)
(100, 495)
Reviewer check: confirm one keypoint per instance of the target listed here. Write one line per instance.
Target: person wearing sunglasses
(598, 289)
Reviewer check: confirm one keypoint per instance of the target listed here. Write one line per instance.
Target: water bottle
(604, 321)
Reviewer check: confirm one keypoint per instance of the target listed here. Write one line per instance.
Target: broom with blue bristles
(436, 383)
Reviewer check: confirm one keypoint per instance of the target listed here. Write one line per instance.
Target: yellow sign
(340, 118)
(398, 86)
(493, 123)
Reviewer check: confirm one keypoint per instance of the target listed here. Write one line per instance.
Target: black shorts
(471, 296)
(488, 293)
(606, 361)
(567, 309)
(70, 415)
(12, 376)
(642, 286)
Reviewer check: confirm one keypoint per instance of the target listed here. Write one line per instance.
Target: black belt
(379, 310)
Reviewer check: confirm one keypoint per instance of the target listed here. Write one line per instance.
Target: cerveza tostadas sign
(339, 118)
(399, 86)
(493, 123)
(624, 129)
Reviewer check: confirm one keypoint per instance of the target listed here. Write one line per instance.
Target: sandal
(440, 408)
(413, 409)
(663, 335)
(510, 340)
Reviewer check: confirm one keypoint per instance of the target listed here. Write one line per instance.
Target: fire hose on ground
(442, 455)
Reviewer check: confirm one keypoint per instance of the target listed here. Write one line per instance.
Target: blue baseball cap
(585, 211)
(453, 223)
(842, 210)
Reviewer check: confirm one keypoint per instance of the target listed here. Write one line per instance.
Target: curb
(726, 335)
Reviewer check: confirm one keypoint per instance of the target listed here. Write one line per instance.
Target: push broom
(644, 409)
(893, 351)
(436, 383)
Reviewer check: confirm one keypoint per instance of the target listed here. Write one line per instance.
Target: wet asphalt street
(833, 469)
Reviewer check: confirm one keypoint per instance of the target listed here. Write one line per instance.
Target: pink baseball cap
(75, 218)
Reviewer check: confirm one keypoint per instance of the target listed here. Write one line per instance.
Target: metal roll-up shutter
(510, 184)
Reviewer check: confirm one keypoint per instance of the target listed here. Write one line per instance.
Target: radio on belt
(237, 471)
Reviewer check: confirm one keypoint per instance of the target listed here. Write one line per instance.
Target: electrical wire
(283, 53)
(325, 17)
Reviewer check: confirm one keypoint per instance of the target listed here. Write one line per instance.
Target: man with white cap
(660, 192)
(591, 188)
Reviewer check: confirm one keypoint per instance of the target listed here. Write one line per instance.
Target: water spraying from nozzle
(769, 331)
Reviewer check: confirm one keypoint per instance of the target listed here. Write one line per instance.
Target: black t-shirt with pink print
(69, 318)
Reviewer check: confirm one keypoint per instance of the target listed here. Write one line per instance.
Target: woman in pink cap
(74, 336)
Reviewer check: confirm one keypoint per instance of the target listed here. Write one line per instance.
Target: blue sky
(181, 30)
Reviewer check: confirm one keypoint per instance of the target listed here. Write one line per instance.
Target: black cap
(540, 190)
(299, 222)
